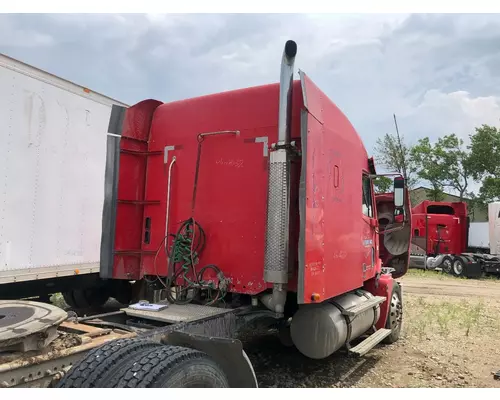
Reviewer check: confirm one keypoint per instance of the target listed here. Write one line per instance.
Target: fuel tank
(318, 330)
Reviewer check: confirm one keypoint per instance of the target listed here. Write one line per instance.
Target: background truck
(52, 160)
(444, 238)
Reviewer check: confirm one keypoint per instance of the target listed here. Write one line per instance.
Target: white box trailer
(494, 227)
(479, 236)
(52, 162)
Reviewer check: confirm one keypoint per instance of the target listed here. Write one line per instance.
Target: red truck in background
(439, 227)
(441, 239)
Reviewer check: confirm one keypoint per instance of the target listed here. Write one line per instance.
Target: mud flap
(228, 353)
(473, 269)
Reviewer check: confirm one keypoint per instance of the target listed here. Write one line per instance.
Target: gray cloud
(438, 73)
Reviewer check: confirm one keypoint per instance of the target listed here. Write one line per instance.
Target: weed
(421, 273)
(425, 317)
(470, 315)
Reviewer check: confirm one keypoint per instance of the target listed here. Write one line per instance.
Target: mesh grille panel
(276, 259)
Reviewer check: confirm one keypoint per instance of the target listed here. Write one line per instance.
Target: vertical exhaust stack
(278, 201)
(286, 91)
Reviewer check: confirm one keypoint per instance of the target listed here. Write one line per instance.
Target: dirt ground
(451, 338)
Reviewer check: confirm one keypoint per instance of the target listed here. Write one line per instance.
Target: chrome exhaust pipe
(286, 92)
(278, 201)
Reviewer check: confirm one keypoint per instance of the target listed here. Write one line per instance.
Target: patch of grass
(470, 315)
(421, 273)
(424, 318)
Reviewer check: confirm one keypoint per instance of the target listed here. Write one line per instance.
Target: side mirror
(399, 192)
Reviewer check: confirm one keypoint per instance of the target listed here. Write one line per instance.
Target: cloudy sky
(438, 73)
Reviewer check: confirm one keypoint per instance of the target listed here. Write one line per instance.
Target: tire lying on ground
(170, 367)
(86, 298)
(101, 364)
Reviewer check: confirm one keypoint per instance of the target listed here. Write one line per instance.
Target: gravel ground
(451, 338)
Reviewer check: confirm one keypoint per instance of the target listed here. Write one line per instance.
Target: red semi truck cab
(264, 192)
(226, 140)
(439, 228)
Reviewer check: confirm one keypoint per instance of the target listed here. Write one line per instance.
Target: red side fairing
(131, 190)
(338, 247)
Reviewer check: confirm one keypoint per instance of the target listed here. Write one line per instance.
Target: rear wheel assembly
(172, 367)
(458, 267)
(447, 264)
(395, 315)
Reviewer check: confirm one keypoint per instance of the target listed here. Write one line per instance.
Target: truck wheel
(395, 315)
(458, 267)
(172, 367)
(447, 264)
(99, 366)
(86, 298)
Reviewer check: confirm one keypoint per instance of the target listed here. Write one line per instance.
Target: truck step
(362, 307)
(370, 342)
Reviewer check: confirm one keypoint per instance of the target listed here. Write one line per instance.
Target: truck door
(337, 243)
(369, 235)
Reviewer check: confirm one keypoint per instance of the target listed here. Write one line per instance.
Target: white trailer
(52, 162)
(479, 236)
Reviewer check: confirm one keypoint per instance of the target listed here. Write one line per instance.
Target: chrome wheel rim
(395, 312)
(447, 265)
(458, 268)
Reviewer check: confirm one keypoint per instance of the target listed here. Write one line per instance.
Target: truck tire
(395, 315)
(86, 298)
(447, 264)
(172, 367)
(458, 267)
(99, 366)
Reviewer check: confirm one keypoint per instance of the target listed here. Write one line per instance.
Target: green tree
(444, 164)
(396, 158)
(435, 193)
(382, 184)
(485, 161)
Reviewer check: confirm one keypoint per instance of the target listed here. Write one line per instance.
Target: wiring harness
(183, 255)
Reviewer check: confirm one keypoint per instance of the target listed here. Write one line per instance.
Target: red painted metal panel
(131, 186)
(339, 244)
(231, 197)
(338, 239)
(381, 288)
